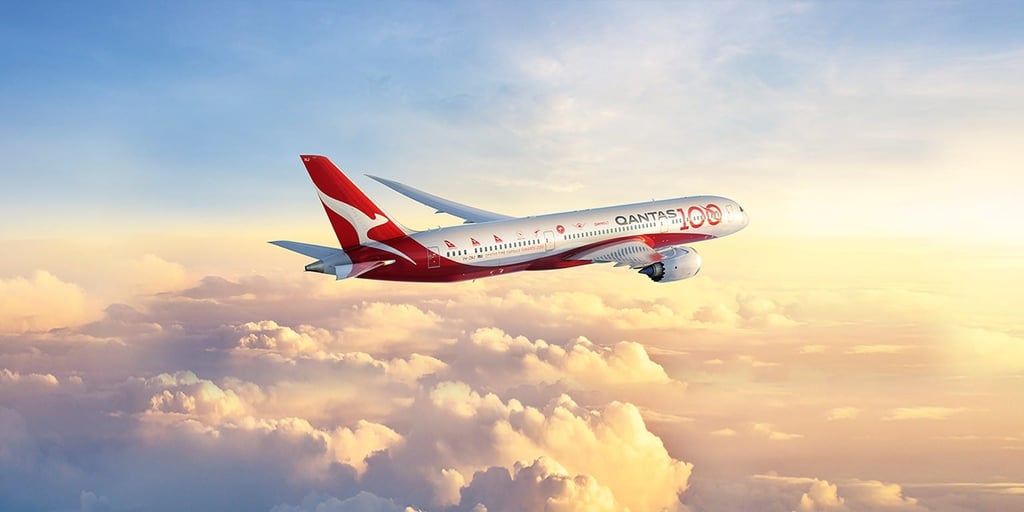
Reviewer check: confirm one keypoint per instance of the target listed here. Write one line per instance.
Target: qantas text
(694, 216)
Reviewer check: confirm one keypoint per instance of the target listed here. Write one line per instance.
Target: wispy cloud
(923, 413)
(843, 413)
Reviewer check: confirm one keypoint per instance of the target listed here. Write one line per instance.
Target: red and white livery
(649, 236)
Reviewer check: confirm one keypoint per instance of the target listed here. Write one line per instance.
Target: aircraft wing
(442, 205)
(634, 253)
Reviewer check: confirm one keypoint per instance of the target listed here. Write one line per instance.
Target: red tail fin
(355, 218)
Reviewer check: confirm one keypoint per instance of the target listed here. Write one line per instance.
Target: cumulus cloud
(353, 446)
(308, 342)
(355, 405)
(542, 485)
(268, 335)
(184, 393)
(42, 301)
(8, 377)
(148, 274)
(399, 327)
(821, 496)
(463, 432)
(874, 495)
(493, 358)
(478, 409)
(806, 494)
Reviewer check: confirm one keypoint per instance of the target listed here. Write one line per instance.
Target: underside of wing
(442, 205)
(634, 253)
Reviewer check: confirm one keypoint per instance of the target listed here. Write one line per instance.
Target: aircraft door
(549, 241)
(433, 259)
(663, 225)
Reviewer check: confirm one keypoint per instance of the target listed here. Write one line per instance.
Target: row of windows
(531, 243)
(496, 247)
(609, 231)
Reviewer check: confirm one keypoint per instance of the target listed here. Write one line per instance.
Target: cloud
(768, 430)
(268, 335)
(817, 494)
(8, 377)
(843, 413)
(354, 446)
(361, 502)
(42, 302)
(880, 496)
(182, 399)
(90, 502)
(415, 429)
(399, 326)
(922, 413)
(492, 358)
(148, 274)
(542, 485)
(820, 497)
(462, 433)
(185, 394)
(876, 349)
(984, 350)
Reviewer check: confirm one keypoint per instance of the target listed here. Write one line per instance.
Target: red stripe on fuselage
(451, 270)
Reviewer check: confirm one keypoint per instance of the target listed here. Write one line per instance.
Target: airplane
(648, 237)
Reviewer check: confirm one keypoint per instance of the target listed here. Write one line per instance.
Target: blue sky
(199, 109)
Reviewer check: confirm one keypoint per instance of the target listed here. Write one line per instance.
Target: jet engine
(678, 263)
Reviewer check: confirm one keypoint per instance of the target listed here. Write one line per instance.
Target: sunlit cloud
(767, 430)
(923, 413)
(843, 413)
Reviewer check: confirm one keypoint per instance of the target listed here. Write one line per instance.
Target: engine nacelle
(679, 263)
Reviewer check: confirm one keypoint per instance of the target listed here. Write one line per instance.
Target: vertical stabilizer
(355, 218)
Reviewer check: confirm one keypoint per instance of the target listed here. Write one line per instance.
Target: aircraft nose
(741, 218)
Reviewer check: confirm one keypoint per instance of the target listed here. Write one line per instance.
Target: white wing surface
(442, 205)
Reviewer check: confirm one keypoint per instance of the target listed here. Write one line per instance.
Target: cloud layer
(304, 394)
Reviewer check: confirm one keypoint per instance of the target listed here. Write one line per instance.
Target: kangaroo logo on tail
(352, 214)
(361, 222)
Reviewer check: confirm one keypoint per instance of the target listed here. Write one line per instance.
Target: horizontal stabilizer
(358, 269)
(442, 205)
(313, 251)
